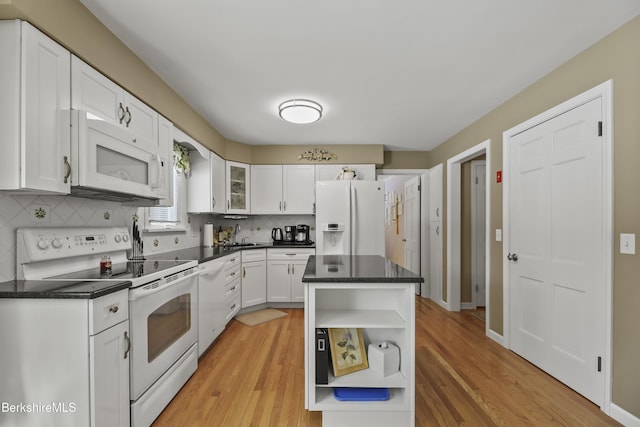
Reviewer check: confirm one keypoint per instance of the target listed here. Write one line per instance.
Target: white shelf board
(358, 319)
(366, 378)
(325, 401)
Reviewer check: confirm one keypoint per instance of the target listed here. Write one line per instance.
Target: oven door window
(167, 324)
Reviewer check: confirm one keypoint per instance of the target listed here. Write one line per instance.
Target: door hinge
(599, 128)
(476, 288)
(599, 364)
(419, 187)
(476, 180)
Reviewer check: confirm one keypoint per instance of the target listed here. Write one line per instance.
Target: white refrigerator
(350, 218)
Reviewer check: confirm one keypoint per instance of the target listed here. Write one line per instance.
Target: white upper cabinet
(298, 189)
(331, 172)
(238, 179)
(218, 186)
(266, 185)
(34, 105)
(91, 91)
(165, 144)
(282, 189)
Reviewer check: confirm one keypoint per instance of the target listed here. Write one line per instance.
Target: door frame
(454, 229)
(604, 91)
(424, 218)
(475, 261)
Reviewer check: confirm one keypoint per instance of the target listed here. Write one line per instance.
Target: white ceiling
(408, 74)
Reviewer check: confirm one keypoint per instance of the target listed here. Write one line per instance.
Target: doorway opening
(454, 229)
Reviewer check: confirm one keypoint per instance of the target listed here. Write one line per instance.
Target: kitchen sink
(238, 245)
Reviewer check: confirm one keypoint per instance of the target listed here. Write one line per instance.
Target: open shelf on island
(366, 378)
(359, 319)
(397, 401)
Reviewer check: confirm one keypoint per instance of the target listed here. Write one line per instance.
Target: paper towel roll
(207, 236)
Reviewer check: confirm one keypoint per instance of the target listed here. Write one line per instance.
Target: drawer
(109, 310)
(231, 261)
(231, 289)
(231, 274)
(232, 307)
(290, 254)
(254, 255)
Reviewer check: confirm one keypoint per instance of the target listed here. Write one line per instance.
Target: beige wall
(406, 160)
(616, 57)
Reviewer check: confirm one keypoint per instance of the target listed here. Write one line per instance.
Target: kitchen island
(374, 296)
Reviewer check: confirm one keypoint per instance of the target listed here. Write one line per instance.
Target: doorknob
(512, 257)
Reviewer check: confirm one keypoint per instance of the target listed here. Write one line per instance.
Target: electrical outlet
(498, 235)
(628, 244)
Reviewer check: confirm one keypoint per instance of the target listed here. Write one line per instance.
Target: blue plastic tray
(360, 394)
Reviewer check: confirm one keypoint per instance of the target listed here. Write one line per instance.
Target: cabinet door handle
(438, 212)
(130, 117)
(121, 110)
(244, 272)
(68, 166)
(213, 199)
(228, 205)
(437, 230)
(288, 268)
(285, 205)
(293, 269)
(128, 340)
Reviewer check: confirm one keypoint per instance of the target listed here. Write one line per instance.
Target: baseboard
(496, 337)
(467, 306)
(623, 417)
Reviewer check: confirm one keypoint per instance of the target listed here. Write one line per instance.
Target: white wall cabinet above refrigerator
(282, 189)
(93, 92)
(34, 121)
(364, 172)
(238, 180)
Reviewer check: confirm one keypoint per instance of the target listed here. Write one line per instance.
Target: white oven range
(162, 304)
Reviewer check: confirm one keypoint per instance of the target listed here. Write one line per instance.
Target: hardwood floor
(254, 376)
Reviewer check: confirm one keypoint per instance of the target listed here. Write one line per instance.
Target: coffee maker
(289, 233)
(302, 234)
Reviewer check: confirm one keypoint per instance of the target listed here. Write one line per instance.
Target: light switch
(498, 235)
(628, 244)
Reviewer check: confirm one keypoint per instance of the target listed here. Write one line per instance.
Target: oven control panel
(42, 244)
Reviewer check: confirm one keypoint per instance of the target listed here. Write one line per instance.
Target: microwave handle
(156, 183)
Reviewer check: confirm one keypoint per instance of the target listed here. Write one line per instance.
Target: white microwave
(111, 163)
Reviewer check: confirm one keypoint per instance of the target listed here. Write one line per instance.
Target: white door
(412, 226)
(556, 244)
(478, 231)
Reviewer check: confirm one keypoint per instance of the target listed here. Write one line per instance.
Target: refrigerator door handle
(347, 232)
(354, 227)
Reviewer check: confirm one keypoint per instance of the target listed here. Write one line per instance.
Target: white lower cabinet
(71, 354)
(232, 286)
(110, 376)
(285, 268)
(254, 277)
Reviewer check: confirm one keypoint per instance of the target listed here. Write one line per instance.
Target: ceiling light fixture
(300, 111)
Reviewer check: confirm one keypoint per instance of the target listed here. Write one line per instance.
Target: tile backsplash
(17, 211)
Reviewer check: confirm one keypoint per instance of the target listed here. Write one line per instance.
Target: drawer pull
(233, 274)
(233, 306)
(113, 309)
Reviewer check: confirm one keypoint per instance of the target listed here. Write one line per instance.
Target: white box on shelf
(384, 358)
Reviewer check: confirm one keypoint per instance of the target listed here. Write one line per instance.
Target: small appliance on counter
(289, 233)
(276, 235)
(302, 233)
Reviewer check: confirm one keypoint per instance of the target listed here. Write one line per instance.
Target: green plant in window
(181, 159)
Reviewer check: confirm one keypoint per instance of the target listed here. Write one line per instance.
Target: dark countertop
(356, 269)
(204, 254)
(49, 289)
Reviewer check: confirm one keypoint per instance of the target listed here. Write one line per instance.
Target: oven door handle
(141, 292)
